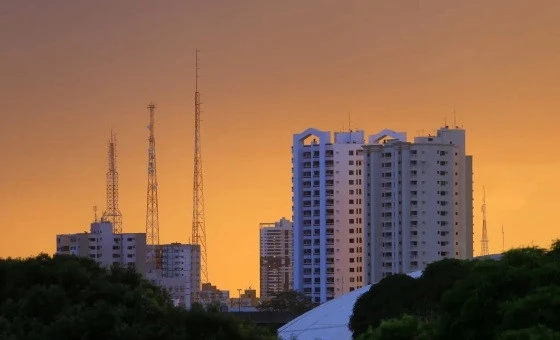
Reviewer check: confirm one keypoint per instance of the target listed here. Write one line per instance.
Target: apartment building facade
(103, 246)
(276, 257)
(327, 194)
(178, 272)
(419, 205)
(212, 295)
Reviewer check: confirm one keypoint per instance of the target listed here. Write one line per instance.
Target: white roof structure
(328, 321)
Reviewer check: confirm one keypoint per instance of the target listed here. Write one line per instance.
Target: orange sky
(70, 71)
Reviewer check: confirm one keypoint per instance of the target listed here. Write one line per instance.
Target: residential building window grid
(276, 257)
(419, 201)
(326, 263)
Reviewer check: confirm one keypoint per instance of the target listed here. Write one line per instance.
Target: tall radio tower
(198, 221)
(484, 240)
(152, 220)
(112, 213)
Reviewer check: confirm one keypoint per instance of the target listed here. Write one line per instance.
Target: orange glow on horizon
(72, 73)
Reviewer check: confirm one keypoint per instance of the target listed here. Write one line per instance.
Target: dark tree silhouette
(514, 297)
(66, 297)
(288, 301)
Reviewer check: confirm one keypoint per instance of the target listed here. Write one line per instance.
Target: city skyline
(67, 81)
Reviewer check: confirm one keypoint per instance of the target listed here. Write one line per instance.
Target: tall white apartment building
(419, 203)
(179, 273)
(103, 246)
(276, 257)
(327, 213)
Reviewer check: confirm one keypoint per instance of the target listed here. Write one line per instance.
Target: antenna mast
(112, 213)
(484, 241)
(454, 119)
(198, 222)
(503, 240)
(152, 219)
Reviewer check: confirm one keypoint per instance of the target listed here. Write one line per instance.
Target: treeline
(66, 297)
(514, 297)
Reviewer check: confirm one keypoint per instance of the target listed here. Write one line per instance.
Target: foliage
(405, 328)
(66, 297)
(401, 294)
(288, 301)
(514, 297)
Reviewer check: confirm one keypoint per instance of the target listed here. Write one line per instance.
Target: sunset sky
(70, 71)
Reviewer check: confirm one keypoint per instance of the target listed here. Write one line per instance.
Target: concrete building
(276, 257)
(419, 201)
(327, 213)
(247, 301)
(179, 273)
(103, 246)
(210, 294)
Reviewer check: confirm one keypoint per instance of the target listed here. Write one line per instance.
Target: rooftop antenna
(112, 212)
(484, 240)
(445, 122)
(94, 213)
(454, 119)
(349, 122)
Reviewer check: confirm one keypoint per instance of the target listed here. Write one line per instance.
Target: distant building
(247, 301)
(212, 295)
(179, 273)
(327, 193)
(101, 245)
(276, 257)
(419, 201)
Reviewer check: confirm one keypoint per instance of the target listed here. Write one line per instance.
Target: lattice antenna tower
(152, 216)
(484, 240)
(152, 220)
(198, 221)
(112, 213)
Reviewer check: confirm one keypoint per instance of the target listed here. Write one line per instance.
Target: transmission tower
(484, 240)
(198, 221)
(112, 213)
(152, 220)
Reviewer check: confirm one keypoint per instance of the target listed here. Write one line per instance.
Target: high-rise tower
(417, 202)
(152, 220)
(112, 213)
(327, 213)
(276, 250)
(484, 240)
(198, 221)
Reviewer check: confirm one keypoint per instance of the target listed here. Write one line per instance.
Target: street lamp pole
(239, 299)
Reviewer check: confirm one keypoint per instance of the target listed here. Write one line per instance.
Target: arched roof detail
(324, 136)
(374, 139)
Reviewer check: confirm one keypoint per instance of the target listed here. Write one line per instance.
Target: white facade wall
(276, 257)
(327, 213)
(104, 247)
(179, 273)
(419, 199)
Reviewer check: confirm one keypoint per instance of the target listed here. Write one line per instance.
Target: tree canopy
(288, 301)
(67, 297)
(514, 297)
